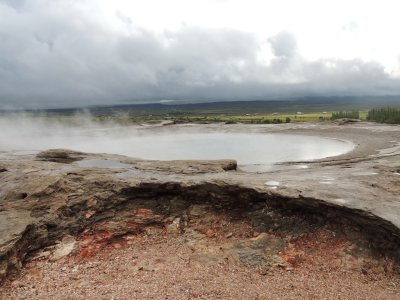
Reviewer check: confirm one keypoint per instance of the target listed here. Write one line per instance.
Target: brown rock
(60, 155)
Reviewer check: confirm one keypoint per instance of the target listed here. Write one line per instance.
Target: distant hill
(306, 104)
(309, 104)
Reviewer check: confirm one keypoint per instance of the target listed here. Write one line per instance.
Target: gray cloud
(54, 53)
(16, 4)
(284, 44)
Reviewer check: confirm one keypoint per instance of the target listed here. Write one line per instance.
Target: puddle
(342, 201)
(272, 183)
(102, 163)
(326, 180)
(265, 168)
(364, 173)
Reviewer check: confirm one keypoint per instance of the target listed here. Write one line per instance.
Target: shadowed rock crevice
(109, 209)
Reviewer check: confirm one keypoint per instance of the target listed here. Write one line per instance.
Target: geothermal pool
(253, 151)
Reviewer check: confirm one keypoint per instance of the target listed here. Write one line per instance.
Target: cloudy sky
(58, 53)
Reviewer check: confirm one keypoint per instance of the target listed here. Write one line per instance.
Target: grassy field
(264, 118)
(247, 118)
(249, 112)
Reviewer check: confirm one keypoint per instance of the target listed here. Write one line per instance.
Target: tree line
(346, 115)
(388, 115)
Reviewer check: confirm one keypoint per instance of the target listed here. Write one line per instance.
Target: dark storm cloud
(55, 53)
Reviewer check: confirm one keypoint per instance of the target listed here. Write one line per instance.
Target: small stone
(198, 210)
(89, 214)
(153, 230)
(130, 237)
(84, 283)
(117, 246)
(18, 283)
(283, 266)
(263, 272)
(210, 233)
(229, 235)
(43, 254)
(174, 227)
(63, 249)
(91, 202)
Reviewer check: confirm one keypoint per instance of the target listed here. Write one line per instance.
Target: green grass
(255, 118)
(253, 113)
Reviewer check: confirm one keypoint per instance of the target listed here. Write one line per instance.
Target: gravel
(163, 267)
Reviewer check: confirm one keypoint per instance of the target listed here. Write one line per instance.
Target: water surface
(253, 151)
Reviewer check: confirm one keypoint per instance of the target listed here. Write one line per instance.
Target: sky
(64, 53)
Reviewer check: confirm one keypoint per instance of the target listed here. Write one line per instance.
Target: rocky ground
(179, 230)
(163, 268)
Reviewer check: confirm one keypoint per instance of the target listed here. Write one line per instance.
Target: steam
(29, 132)
(32, 133)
